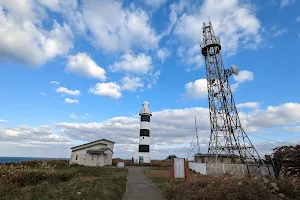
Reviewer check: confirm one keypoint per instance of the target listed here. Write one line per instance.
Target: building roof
(98, 151)
(97, 141)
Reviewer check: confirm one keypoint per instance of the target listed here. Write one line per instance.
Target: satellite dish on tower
(235, 69)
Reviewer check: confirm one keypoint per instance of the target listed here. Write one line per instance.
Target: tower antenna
(196, 130)
(227, 137)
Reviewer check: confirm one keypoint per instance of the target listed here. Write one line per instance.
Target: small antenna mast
(198, 146)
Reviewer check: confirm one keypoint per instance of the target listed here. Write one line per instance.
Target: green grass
(61, 181)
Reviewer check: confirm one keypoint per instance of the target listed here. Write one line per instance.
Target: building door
(98, 160)
(105, 159)
(141, 159)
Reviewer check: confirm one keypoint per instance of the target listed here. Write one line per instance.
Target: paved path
(139, 187)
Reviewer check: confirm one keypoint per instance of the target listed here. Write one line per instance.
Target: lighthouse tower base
(142, 158)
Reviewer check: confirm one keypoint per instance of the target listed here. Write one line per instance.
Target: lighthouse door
(141, 158)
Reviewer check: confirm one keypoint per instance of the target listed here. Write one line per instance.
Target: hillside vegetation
(203, 187)
(58, 180)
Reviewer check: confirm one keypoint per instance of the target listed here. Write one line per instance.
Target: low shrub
(231, 189)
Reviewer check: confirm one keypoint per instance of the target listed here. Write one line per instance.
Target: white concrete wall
(236, 170)
(109, 158)
(145, 125)
(145, 155)
(144, 140)
(198, 167)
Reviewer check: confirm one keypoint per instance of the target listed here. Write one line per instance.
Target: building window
(144, 132)
(144, 148)
(92, 158)
(76, 157)
(143, 137)
(145, 118)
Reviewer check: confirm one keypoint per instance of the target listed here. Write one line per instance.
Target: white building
(97, 153)
(143, 155)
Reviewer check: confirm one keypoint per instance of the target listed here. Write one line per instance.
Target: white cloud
(192, 57)
(171, 131)
(234, 87)
(140, 64)
(54, 82)
(59, 6)
(297, 19)
(163, 53)
(42, 93)
(196, 89)
(109, 89)
(23, 10)
(3, 121)
(39, 134)
(152, 78)
(88, 115)
(235, 22)
(71, 101)
(41, 141)
(131, 84)
(243, 76)
(155, 3)
(66, 91)
(279, 32)
(83, 65)
(286, 114)
(168, 123)
(21, 28)
(293, 129)
(176, 126)
(72, 115)
(114, 28)
(285, 3)
(252, 105)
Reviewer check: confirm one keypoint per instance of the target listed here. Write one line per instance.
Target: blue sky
(77, 71)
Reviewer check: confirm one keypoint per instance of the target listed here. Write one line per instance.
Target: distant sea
(20, 159)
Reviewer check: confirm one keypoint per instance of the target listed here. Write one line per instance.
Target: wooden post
(172, 178)
(187, 175)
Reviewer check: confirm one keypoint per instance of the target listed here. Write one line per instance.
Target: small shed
(97, 153)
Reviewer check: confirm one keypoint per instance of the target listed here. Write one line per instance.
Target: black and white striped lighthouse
(144, 142)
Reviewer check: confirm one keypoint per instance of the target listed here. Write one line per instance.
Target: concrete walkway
(139, 187)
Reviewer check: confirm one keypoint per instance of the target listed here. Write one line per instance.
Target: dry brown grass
(202, 187)
(158, 173)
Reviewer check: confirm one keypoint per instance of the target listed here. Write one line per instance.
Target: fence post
(187, 175)
(172, 178)
(248, 170)
(269, 170)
